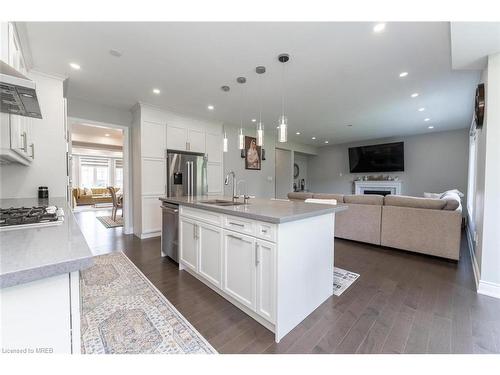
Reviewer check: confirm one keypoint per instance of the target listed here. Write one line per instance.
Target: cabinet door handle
(237, 224)
(24, 136)
(32, 151)
(256, 254)
(194, 231)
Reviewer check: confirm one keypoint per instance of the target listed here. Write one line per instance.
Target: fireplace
(377, 187)
(377, 192)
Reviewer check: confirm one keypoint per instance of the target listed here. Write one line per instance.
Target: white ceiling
(339, 74)
(96, 134)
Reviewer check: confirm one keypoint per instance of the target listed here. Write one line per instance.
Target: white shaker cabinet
(210, 253)
(196, 141)
(153, 139)
(188, 235)
(177, 138)
(239, 268)
(265, 253)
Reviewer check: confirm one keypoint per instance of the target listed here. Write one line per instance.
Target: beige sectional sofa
(422, 225)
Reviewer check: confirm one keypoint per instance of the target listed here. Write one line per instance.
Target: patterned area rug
(122, 312)
(342, 280)
(108, 222)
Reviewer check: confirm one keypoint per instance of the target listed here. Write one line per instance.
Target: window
(94, 172)
(118, 173)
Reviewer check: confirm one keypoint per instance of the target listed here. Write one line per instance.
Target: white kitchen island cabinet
(277, 271)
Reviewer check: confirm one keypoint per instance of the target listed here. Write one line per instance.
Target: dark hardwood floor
(402, 303)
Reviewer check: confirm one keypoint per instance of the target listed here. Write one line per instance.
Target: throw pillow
(88, 191)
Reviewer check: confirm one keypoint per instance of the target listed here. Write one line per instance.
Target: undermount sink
(221, 202)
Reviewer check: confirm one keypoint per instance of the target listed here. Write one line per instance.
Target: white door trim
(127, 177)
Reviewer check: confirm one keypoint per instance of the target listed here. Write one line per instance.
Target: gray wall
(434, 162)
(302, 161)
(259, 183)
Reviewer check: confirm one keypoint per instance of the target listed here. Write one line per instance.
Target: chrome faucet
(226, 182)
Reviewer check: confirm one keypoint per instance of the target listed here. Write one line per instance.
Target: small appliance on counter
(43, 192)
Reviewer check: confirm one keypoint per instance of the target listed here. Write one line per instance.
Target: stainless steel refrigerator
(186, 175)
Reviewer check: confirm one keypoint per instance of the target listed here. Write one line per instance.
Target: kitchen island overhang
(273, 259)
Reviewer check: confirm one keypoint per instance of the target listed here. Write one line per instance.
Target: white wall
(434, 162)
(49, 166)
(284, 172)
(87, 110)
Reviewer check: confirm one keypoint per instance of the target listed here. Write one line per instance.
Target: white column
(490, 235)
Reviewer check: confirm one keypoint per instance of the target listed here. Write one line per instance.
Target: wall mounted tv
(387, 157)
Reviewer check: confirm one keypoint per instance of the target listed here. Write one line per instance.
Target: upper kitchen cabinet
(214, 147)
(185, 139)
(17, 144)
(153, 139)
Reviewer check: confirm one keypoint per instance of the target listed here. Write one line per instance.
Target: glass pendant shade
(241, 140)
(283, 129)
(224, 143)
(260, 135)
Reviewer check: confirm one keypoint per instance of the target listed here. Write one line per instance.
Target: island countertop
(269, 210)
(36, 253)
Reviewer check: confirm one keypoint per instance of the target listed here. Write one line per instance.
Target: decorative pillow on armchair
(87, 191)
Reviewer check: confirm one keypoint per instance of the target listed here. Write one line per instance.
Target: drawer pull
(237, 224)
(264, 230)
(256, 255)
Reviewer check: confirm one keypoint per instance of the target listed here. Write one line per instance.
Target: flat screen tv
(387, 157)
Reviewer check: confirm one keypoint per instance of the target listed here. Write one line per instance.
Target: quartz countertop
(269, 210)
(36, 253)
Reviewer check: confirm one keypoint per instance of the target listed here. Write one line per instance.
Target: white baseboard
(489, 289)
(473, 259)
(149, 235)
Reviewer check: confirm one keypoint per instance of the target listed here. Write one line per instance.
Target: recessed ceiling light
(115, 53)
(379, 27)
(254, 120)
(313, 138)
(156, 91)
(421, 109)
(298, 133)
(210, 107)
(430, 127)
(427, 119)
(414, 95)
(403, 74)
(326, 141)
(75, 66)
(107, 135)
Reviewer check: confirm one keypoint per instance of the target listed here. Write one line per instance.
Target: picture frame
(253, 154)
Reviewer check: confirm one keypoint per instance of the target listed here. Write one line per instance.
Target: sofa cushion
(377, 200)
(452, 199)
(299, 195)
(338, 197)
(414, 202)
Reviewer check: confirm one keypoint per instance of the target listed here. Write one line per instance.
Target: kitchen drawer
(203, 215)
(265, 231)
(239, 225)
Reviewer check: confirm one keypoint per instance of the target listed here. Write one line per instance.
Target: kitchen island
(39, 283)
(273, 259)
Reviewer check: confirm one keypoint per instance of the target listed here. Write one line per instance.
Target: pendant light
(224, 140)
(241, 137)
(283, 122)
(260, 126)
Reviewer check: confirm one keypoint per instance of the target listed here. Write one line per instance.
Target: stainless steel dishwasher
(170, 231)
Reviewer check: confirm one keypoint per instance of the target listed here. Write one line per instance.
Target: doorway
(98, 173)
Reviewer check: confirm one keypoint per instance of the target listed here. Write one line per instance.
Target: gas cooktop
(22, 217)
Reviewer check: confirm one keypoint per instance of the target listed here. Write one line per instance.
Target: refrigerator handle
(192, 179)
(188, 177)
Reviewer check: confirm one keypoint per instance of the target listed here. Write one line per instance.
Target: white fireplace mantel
(393, 187)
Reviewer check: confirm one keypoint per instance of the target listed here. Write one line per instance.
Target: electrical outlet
(270, 178)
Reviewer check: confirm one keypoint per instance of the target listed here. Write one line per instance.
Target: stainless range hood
(17, 93)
